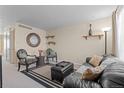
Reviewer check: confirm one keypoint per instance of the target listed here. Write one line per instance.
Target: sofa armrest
(88, 59)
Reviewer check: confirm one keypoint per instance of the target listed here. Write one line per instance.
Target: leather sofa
(111, 77)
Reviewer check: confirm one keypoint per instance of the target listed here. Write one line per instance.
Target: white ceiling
(53, 16)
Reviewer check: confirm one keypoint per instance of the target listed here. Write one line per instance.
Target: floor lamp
(106, 30)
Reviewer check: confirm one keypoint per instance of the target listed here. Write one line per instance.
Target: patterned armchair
(25, 59)
(51, 54)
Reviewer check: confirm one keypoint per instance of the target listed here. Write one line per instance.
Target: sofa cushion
(95, 60)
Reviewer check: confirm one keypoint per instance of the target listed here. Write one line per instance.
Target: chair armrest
(32, 55)
(25, 60)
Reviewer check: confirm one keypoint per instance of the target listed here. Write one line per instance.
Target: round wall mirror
(33, 39)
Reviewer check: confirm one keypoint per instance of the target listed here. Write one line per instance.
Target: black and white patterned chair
(25, 59)
(51, 54)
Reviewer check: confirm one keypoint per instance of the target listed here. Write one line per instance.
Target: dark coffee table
(61, 70)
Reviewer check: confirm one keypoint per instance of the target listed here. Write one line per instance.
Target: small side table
(40, 61)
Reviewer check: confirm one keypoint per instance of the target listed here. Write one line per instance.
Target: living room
(70, 35)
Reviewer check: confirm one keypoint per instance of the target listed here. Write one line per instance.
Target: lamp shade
(106, 29)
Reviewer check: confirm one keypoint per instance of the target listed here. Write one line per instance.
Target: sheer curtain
(121, 34)
(115, 28)
(118, 32)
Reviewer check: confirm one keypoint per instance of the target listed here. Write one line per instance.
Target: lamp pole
(105, 42)
(106, 29)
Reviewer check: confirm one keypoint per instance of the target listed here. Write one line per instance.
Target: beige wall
(20, 39)
(72, 47)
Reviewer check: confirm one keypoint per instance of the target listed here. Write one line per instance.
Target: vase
(90, 30)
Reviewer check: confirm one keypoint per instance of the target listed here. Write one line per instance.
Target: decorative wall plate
(33, 39)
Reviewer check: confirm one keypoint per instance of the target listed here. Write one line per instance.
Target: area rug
(44, 71)
(42, 75)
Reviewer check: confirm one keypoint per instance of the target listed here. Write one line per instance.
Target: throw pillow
(92, 73)
(95, 60)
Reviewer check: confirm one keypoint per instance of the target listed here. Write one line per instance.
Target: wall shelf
(99, 36)
(52, 36)
(51, 42)
(50, 39)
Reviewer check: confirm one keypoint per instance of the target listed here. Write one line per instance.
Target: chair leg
(36, 64)
(18, 66)
(56, 59)
(27, 67)
(47, 59)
